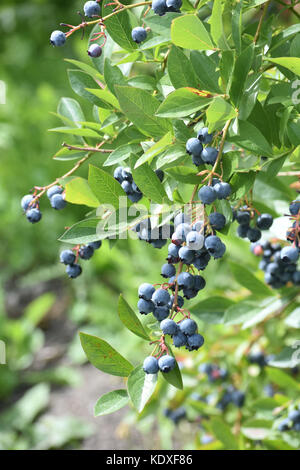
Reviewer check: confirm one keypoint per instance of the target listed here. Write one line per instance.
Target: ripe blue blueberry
(242, 217)
(86, 252)
(95, 50)
(182, 230)
(145, 306)
(189, 293)
(159, 7)
(73, 270)
(188, 326)
(126, 185)
(168, 270)
(185, 280)
(294, 207)
(176, 4)
(242, 231)
(195, 342)
(264, 221)
(166, 363)
(179, 339)
(296, 278)
(238, 398)
(26, 200)
(54, 190)
(173, 251)
(58, 38)
(194, 240)
(204, 136)
(213, 245)
(180, 300)
(161, 313)
(209, 155)
(138, 34)
(91, 9)
(217, 220)
(207, 194)
(118, 174)
(289, 254)
(197, 160)
(199, 283)
(33, 215)
(150, 365)
(223, 190)
(194, 147)
(160, 175)
(186, 255)
(58, 202)
(158, 243)
(168, 327)
(161, 297)
(197, 226)
(253, 234)
(294, 416)
(96, 245)
(146, 291)
(127, 175)
(283, 425)
(135, 196)
(67, 257)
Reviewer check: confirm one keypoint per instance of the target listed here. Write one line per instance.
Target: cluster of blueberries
(217, 190)
(31, 207)
(124, 177)
(157, 236)
(175, 415)
(201, 155)
(231, 395)
(243, 218)
(139, 34)
(213, 372)
(69, 257)
(292, 422)
(259, 358)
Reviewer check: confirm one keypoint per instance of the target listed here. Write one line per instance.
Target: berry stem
(265, 9)
(222, 143)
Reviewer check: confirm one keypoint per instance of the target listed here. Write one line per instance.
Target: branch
(261, 21)
(87, 149)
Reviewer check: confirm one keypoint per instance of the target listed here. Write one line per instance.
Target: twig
(261, 21)
(86, 149)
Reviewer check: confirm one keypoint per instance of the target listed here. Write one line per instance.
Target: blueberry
(86, 252)
(209, 155)
(58, 202)
(294, 416)
(194, 147)
(58, 38)
(180, 301)
(91, 9)
(169, 327)
(197, 226)
(194, 240)
(173, 251)
(222, 190)
(204, 136)
(213, 244)
(283, 425)
(73, 270)
(33, 215)
(161, 297)
(253, 234)
(207, 194)
(243, 217)
(166, 363)
(182, 218)
(26, 200)
(296, 427)
(188, 326)
(145, 306)
(197, 160)
(118, 174)
(161, 313)
(242, 230)
(159, 7)
(179, 339)
(146, 291)
(150, 365)
(264, 221)
(54, 190)
(160, 175)
(296, 278)
(186, 255)
(96, 245)
(238, 398)
(67, 257)
(127, 187)
(168, 270)
(189, 293)
(138, 34)
(158, 243)
(201, 261)
(135, 196)
(199, 283)
(195, 342)
(177, 415)
(127, 175)
(294, 207)
(95, 50)
(217, 221)
(176, 4)
(257, 358)
(289, 254)
(185, 280)
(182, 230)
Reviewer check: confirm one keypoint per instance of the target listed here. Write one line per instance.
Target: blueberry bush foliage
(195, 124)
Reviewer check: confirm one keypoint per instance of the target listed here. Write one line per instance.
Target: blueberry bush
(193, 118)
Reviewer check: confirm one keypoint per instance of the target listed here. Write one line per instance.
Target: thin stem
(261, 21)
(225, 130)
(86, 149)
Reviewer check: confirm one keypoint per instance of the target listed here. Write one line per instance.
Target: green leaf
(241, 70)
(104, 357)
(76, 131)
(80, 82)
(180, 70)
(211, 310)
(71, 109)
(78, 191)
(282, 379)
(174, 376)
(122, 153)
(237, 26)
(241, 183)
(82, 232)
(216, 25)
(220, 111)
(245, 277)
(182, 102)
(130, 320)
(290, 63)
(250, 138)
(86, 68)
(113, 76)
(205, 68)
(155, 149)
(106, 97)
(240, 312)
(140, 107)
(184, 174)
(119, 27)
(147, 181)
(287, 358)
(223, 432)
(189, 32)
(140, 387)
(111, 402)
(105, 187)
(293, 320)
